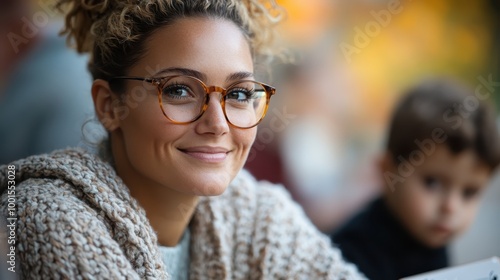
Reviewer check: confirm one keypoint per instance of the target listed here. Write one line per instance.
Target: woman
(174, 87)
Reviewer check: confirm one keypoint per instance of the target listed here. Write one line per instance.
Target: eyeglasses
(183, 99)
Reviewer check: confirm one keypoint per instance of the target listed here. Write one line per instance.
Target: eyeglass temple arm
(149, 80)
(268, 88)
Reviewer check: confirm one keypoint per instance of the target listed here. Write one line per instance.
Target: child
(443, 146)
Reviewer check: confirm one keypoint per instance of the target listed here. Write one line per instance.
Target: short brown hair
(465, 120)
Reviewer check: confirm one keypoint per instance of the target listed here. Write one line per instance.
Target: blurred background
(44, 85)
(325, 128)
(354, 59)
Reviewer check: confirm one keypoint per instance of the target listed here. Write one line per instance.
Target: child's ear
(386, 162)
(104, 103)
(387, 169)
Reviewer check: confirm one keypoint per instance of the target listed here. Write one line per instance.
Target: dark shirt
(382, 249)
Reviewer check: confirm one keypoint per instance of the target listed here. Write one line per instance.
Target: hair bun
(84, 18)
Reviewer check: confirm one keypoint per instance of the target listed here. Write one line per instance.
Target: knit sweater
(77, 220)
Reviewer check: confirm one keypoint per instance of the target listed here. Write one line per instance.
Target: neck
(168, 211)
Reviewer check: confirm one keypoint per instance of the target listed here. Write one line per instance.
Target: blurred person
(166, 198)
(44, 88)
(443, 146)
(320, 147)
(315, 150)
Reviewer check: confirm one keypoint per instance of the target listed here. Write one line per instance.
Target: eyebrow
(239, 76)
(190, 72)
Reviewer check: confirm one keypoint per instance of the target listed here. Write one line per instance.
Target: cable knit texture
(77, 220)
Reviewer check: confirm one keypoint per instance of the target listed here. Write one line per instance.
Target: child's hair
(114, 31)
(463, 119)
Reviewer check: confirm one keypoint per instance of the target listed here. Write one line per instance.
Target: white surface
(483, 270)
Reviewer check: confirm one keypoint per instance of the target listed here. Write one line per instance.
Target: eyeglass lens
(183, 98)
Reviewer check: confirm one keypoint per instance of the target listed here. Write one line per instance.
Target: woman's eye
(176, 91)
(239, 94)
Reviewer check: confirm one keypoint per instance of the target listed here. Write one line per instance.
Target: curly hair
(114, 31)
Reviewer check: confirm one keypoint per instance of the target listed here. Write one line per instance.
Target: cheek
(242, 141)
(421, 204)
(468, 215)
(138, 128)
(146, 130)
(244, 138)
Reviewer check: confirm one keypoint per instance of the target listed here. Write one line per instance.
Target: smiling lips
(207, 154)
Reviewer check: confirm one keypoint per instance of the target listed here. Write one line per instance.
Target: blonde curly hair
(114, 31)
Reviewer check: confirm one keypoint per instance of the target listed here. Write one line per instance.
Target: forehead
(215, 47)
(465, 167)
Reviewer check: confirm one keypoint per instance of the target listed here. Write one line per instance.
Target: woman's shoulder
(74, 166)
(70, 176)
(58, 178)
(63, 159)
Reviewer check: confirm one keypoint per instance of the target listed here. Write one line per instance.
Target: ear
(389, 172)
(385, 162)
(104, 102)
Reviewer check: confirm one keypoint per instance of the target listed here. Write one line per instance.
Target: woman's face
(199, 158)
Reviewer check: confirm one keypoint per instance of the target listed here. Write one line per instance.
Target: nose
(213, 121)
(450, 202)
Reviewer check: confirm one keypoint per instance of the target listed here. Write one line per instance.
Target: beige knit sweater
(77, 220)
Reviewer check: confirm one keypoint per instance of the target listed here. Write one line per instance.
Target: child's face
(439, 199)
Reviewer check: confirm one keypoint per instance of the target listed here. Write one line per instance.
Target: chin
(206, 185)
(211, 183)
(210, 190)
(437, 242)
